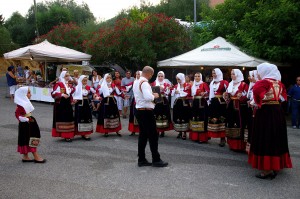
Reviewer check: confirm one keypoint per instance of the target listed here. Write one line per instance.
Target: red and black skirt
(83, 118)
(199, 120)
(236, 122)
(162, 115)
(181, 114)
(108, 117)
(216, 118)
(27, 130)
(63, 119)
(133, 125)
(269, 143)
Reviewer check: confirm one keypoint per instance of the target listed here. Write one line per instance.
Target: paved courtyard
(107, 167)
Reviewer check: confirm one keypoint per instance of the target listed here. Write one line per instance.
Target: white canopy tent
(46, 51)
(217, 52)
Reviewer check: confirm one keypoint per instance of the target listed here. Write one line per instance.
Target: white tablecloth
(41, 94)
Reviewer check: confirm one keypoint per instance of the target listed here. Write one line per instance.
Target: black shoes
(270, 175)
(132, 134)
(144, 163)
(68, 140)
(159, 164)
(23, 160)
(162, 134)
(179, 135)
(42, 161)
(118, 134)
(86, 138)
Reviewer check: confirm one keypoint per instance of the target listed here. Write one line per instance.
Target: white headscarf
(21, 99)
(104, 88)
(252, 75)
(239, 77)
(158, 83)
(180, 76)
(266, 70)
(255, 75)
(195, 84)
(219, 78)
(78, 92)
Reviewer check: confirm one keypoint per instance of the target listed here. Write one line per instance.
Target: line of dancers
(247, 117)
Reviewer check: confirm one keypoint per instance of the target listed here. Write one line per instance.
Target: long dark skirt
(63, 119)
(199, 118)
(109, 117)
(250, 124)
(269, 144)
(27, 130)
(236, 124)
(181, 114)
(133, 124)
(162, 115)
(83, 118)
(216, 118)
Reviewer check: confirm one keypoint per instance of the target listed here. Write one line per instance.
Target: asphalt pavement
(107, 167)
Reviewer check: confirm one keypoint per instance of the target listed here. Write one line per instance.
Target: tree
(16, 25)
(266, 29)
(1, 20)
(138, 42)
(6, 43)
(68, 35)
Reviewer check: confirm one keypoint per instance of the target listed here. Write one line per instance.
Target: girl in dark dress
(217, 107)
(28, 127)
(63, 119)
(236, 98)
(133, 126)
(181, 110)
(269, 151)
(109, 117)
(83, 114)
(162, 109)
(199, 116)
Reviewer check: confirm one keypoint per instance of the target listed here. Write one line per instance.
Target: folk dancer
(217, 107)
(181, 109)
(63, 119)
(199, 116)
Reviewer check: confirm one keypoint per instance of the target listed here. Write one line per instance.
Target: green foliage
(68, 35)
(1, 20)
(16, 25)
(267, 29)
(136, 43)
(6, 43)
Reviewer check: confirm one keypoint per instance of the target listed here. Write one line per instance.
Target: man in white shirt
(145, 116)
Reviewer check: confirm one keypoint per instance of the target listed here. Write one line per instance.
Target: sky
(102, 9)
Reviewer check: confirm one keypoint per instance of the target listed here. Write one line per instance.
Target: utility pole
(195, 11)
(36, 26)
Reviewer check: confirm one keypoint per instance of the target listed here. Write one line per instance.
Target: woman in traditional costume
(181, 109)
(96, 79)
(252, 79)
(236, 117)
(162, 108)
(63, 119)
(199, 116)
(119, 97)
(269, 151)
(29, 131)
(109, 117)
(217, 107)
(83, 114)
(133, 126)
